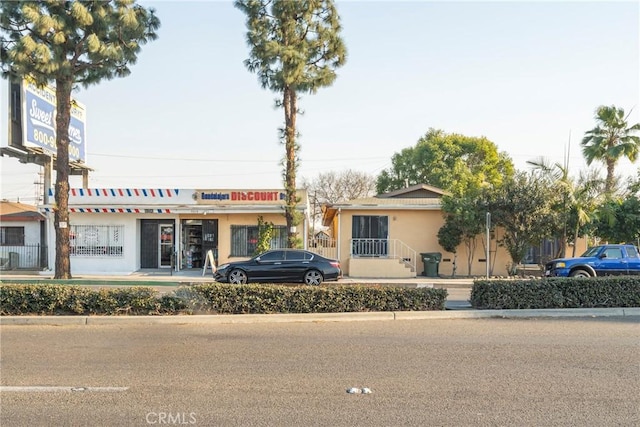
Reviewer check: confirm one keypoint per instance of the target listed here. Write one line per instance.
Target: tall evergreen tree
(295, 47)
(69, 43)
(612, 139)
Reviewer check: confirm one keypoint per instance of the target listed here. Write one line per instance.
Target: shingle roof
(14, 211)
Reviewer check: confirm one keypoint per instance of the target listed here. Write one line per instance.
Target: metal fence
(25, 257)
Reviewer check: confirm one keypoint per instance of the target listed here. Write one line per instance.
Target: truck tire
(579, 273)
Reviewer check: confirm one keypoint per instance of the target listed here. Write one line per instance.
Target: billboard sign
(39, 121)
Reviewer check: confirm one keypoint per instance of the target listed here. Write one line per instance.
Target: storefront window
(96, 240)
(244, 239)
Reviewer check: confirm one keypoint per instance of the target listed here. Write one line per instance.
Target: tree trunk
(608, 185)
(61, 215)
(291, 201)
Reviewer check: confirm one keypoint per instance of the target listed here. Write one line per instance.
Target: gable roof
(415, 191)
(415, 197)
(14, 211)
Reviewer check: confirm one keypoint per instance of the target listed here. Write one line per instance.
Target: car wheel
(313, 277)
(579, 273)
(237, 277)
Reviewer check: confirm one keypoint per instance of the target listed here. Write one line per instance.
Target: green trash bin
(431, 262)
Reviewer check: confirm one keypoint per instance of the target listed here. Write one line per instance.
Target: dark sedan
(281, 265)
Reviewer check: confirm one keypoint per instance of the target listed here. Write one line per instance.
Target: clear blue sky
(523, 74)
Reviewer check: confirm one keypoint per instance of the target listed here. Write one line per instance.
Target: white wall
(111, 265)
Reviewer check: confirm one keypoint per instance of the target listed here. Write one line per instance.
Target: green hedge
(556, 293)
(214, 298)
(63, 299)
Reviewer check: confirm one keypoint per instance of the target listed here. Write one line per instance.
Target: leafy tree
(66, 43)
(522, 208)
(450, 237)
(464, 214)
(295, 47)
(574, 201)
(612, 139)
(452, 162)
(619, 219)
(335, 187)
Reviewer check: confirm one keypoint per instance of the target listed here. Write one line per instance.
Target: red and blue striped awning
(121, 192)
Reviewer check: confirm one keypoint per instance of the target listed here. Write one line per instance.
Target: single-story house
(392, 234)
(22, 233)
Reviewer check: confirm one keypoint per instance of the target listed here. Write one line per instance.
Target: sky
(526, 75)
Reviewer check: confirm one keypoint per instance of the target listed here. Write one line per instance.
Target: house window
(96, 241)
(547, 250)
(244, 239)
(12, 236)
(370, 234)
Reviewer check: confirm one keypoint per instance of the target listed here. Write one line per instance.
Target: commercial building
(119, 231)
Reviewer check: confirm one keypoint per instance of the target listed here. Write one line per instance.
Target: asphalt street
(446, 372)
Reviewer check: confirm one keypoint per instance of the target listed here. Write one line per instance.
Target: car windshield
(591, 252)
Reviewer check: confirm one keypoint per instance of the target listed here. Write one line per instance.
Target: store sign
(39, 121)
(239, 196)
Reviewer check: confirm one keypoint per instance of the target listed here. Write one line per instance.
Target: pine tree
(69, 43)
(295, 47)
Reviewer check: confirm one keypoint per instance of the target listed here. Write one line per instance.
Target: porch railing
(384, 248)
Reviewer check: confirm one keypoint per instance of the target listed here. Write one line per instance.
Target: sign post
(209, 262)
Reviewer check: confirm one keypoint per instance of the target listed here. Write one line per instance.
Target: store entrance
(198, 237)
(166, 245)
(156, 243)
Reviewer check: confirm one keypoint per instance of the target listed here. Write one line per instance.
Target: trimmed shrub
(215, 298)
(619, 291)
(65, 299)
(244, 299)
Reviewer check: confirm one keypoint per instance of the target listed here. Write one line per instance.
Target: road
(455, 372)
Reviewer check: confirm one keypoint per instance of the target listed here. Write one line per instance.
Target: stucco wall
(130, 261)
(419, 230)
(225, 221)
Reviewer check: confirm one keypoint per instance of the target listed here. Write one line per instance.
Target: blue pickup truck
(603, 260)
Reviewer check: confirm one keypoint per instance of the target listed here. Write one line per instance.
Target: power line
(230, 160)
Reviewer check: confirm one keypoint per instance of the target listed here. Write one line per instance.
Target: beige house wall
(419, 230)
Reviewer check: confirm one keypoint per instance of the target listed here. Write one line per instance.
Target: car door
(295, 265)
(633, 261)
(268, 266)
(611, 262)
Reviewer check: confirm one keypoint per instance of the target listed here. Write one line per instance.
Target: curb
(218, 319)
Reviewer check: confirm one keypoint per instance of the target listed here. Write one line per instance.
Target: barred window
(96, 240)
(244, 239)
(12, 236)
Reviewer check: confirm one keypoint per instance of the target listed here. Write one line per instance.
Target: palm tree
(611, 140)
(578, 199)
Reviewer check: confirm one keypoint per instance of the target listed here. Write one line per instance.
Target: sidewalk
(176, 278)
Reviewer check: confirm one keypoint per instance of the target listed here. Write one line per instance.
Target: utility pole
(488, 244)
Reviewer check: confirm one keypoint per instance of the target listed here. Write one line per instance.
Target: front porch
(373, 258)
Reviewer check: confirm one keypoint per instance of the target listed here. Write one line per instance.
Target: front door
(166, 245)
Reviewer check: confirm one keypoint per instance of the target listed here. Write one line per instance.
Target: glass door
(166, 245)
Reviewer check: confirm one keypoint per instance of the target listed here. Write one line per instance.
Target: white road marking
(49, 389)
